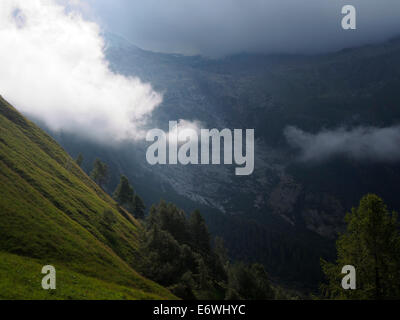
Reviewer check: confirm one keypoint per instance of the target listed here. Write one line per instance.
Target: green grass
(21, 279)
(50, 210)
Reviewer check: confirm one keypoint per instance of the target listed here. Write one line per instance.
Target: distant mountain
(287, 213)
(350, 88)
(52, 213)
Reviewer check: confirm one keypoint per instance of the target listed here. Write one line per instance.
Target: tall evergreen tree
(100, 172)
(199, 232)
(139, 207)
(123, 194)
(371, 244)
(220, 251)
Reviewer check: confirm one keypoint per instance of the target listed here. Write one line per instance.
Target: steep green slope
(50, 210)
(21, 278)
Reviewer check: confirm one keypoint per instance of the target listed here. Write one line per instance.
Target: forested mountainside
(52, 213)
(287, 214)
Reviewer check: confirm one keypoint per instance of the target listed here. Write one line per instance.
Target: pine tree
(371, 244)
(220, 251)
(220, 259)
(139, 207)
(99, 173)
(123, 194)
(199, 232)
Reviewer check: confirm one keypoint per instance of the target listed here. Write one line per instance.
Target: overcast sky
(219, 27)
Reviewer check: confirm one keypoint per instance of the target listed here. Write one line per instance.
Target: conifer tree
(123, 194)
(199, 232)
(100, 172)
(371, 244)
(139, 207)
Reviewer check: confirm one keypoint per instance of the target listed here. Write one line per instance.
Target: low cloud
(182, 129)
(53, 68)
(361, 143)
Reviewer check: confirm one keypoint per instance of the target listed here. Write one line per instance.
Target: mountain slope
(21, 278)
(287, 214)
(51, 211)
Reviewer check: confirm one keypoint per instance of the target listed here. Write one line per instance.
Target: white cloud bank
(362, 143)
(53, 67)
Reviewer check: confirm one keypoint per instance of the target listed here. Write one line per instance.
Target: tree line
(124, 193)
(177, 251)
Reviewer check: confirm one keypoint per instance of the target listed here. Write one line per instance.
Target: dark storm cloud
(218, 27)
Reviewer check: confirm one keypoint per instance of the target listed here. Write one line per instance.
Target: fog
(53, 68)
(361, 143)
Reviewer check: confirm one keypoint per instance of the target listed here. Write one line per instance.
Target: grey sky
(218, 27)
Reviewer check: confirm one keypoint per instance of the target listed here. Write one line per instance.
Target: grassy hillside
(21, 278)
(52, 212)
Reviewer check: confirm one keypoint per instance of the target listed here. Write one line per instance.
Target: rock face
(323, 214)
(284, 198)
